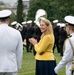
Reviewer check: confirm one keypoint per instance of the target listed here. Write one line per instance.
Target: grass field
(28, 64)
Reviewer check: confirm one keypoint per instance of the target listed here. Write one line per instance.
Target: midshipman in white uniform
(68, 52)
(11, 47)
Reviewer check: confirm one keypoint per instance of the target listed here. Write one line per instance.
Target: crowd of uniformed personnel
(60, 35)
(28, 30)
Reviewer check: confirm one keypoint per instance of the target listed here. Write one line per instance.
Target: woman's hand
(33, 41)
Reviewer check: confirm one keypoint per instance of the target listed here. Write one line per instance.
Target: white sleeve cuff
(55, 70)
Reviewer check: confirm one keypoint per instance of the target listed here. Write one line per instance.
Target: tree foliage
(20, 11)
(13, 17)
(56, 9)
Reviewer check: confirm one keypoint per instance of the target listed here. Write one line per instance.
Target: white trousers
(8, 73)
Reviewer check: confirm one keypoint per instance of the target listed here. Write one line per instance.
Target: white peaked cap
(30, 21)
(69, 19)
(14, 22)
(24, 22)
(58, 24)
(55, 21)
(5, 13)
(62, 25)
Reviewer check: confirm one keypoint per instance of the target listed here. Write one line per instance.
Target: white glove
(55, 70)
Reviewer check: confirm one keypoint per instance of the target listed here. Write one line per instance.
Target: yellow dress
(45, 46)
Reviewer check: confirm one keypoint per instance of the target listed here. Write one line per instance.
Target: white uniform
(67, 57)
(11, 49)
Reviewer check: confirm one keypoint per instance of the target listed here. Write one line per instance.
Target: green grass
(28, 64)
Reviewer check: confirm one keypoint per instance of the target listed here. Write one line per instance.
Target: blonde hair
(48, 23)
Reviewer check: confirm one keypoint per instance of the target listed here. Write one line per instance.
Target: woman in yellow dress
(45, 60)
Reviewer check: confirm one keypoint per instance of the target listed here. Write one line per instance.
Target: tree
(64, 8)
(13, 17)
(40, 4)
(56, 9)
(20, 11)
(32, 10)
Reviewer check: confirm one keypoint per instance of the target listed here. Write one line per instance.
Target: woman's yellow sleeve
(43, 45)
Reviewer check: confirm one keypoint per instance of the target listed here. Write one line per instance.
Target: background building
(13, 7)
